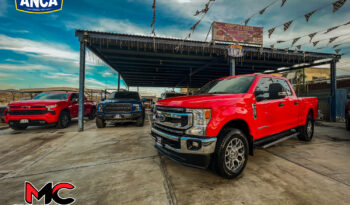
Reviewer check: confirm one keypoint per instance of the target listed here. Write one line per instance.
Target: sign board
(235, 51)
(237, 33)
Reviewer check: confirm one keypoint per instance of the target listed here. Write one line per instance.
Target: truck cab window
(262, 90)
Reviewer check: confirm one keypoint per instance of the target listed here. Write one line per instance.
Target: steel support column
(232, 66)
(118, 82)
(333, 112)
(81, 85)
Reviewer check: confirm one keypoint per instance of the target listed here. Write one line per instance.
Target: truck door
(264, 108)
(289, 118)
(74, 105)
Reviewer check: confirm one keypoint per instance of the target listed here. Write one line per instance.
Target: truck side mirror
(274, 91)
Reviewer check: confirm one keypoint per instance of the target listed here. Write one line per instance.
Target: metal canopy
(165, 62)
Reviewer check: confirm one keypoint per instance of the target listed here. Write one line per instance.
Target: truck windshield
(228, 86)
(125, 96)
(51, 96)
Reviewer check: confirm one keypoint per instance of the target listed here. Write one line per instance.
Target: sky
(41, 50)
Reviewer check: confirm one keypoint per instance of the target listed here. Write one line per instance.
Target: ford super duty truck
(227, 118)
(57, 108)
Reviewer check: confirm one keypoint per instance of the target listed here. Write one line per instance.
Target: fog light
(193, 145)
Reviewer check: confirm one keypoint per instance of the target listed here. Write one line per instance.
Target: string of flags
(203, 11)
(336, 6)
(154, 17)
(262, 11)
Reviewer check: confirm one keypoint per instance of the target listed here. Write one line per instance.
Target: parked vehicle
(2, 113)
(171, 94)
(347, 114)
(57, 108)
(228, 118)
(122, 106)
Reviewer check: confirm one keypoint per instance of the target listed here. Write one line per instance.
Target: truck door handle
(280, 104)
(296, 103)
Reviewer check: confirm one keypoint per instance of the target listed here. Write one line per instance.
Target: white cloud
(5, 75)
(107, 74)
(23, 67)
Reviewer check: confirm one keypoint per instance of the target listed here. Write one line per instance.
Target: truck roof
(256, 74)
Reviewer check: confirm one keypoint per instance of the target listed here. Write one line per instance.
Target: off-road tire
(64, 120)
(140, 121)
(220, 158)
(347, 121)
(92, 114)
(100, 123)
(18, 127)
(306, 132)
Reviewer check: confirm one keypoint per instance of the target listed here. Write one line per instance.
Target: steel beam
(232, 66)
(81, 85)
(333, 112)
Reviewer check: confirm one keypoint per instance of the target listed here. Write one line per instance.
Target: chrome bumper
(207, 146)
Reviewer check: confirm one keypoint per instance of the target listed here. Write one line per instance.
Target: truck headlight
(136, 107)
(51, 107)
(201, 118)
(100, 108)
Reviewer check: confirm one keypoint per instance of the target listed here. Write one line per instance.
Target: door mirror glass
(274, 91)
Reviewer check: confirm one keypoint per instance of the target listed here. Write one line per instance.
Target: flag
(286, 49)
(272, 46)
(331, 29)
(154, 13)
(338, 4)
(283, 2)
(286, 25)
(308, 15)
(295, 40)
(312, 35)
(337, 51)
(336, 45)
(261, 12)
(315, 43)
(332, 39)
(271, 31)
(298, 47)
(281, 41)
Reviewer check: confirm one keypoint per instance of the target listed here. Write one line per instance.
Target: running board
(279, 140)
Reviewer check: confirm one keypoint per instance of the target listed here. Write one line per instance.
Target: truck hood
(200, 101)
(35, 102)
(120, 101)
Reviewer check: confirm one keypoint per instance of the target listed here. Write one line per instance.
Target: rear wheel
(231, 154)
(19, 127)
(347, 121)
(306, 132)
(92, 114)
(100, 123)
(64, 120)
(140, 121)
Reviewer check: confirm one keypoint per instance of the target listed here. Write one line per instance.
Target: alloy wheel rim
(234, 154)
(309, 128)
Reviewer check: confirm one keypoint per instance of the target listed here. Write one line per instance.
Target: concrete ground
(119, 165)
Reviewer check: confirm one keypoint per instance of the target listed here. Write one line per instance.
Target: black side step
(274, 139)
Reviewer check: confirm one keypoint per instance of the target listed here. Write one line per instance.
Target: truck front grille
(173, 118)
(27, 112)
(118, 108)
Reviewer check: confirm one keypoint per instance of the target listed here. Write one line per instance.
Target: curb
(3, 127)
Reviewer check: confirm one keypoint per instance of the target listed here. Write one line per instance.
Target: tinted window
(285, 85)
(125, 96)
(74, 95)
(228, 86)
(262, 90)
(170, 95)
(51, 96)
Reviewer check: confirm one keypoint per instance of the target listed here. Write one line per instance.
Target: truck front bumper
(34, 120)
(190, 151)
(121, 116)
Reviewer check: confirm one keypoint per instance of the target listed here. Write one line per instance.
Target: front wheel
(92, 114)
(231, 153)
(64, 120)
(140, 121)
(100, 123)
(347, 121)
(306, 132)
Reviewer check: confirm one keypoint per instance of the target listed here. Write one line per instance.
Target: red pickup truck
(57, 107)
(229, 117)
(347, 113)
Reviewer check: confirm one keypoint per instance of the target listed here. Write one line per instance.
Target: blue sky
(40, 50)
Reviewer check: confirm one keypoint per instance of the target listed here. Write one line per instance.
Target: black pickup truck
(122, 106)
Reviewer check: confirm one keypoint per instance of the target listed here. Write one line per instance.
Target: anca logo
(50, 193)
(39, 6)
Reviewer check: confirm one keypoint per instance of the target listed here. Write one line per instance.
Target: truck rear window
(125, 96)
(51, 96)
(228, 86)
